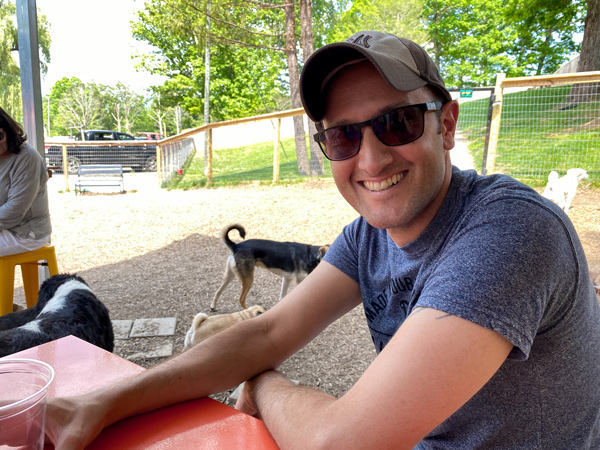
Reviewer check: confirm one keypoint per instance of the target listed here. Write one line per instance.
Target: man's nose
(373, 154)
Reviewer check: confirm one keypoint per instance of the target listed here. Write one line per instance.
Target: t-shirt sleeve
(343, 252)
(501, 271)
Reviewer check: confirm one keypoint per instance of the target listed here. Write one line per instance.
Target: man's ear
(448, 120)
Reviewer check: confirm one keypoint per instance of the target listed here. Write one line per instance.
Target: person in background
(475, 289)
(24, 212)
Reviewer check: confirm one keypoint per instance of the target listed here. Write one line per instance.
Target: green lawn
(247, 164)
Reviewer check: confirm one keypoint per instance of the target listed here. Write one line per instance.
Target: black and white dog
(290, 260)
(66, 306)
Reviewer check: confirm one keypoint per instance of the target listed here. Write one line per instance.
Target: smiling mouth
(376, 186)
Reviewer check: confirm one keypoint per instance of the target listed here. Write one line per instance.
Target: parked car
(148, 136)
(136, 155)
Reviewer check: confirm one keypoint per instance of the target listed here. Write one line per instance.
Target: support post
(29, 62)
(495, 128)
(276, 151)
(208, 161)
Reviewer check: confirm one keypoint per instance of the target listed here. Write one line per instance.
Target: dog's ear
(323, 250)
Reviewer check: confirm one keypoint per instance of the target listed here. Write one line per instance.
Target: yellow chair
(29, 268)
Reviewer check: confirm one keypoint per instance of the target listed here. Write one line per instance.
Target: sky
(92, 40)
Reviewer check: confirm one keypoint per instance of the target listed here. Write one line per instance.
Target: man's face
(398, 188)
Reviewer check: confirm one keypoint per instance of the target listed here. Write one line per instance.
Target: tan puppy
(204, 326)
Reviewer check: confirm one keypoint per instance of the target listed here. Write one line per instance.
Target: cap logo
(362, 40)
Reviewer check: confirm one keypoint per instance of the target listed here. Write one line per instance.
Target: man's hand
(73, 422)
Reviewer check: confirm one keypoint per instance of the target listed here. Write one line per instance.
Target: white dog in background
(562, 190)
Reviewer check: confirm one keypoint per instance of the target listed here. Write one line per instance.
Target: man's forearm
(198, 372)
(294, 415)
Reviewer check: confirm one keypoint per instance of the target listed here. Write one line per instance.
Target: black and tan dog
(290, 260)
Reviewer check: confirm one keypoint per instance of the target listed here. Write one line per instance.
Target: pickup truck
(104, 147)
(103, 135)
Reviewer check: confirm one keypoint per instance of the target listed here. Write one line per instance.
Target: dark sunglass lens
(400, 127)
(340, 142)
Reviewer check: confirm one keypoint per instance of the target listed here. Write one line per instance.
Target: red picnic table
(203, 423)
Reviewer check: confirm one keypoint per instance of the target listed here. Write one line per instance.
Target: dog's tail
(189, 337)
(225, 234)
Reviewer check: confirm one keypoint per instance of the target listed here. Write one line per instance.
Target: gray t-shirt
(501, 256)
(24, 195)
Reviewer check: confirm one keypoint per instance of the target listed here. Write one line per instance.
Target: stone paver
(121, 328)
(145, 328)
(160, 351)
(164, 326)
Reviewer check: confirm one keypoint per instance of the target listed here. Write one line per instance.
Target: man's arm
(222, 361)
(433, 365)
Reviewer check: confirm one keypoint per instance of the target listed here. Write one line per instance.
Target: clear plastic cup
(23, 388)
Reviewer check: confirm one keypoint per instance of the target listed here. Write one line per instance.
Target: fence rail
(204, 134)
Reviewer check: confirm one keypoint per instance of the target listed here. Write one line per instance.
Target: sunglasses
(397, 127)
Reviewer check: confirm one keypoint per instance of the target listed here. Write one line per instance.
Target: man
(476, 291)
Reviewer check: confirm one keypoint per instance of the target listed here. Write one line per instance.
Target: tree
(316, 158)
(79, 107)
(294, 77)
(122, 104)
(544, 40)
(54, 122)
(10, 75)
(473, 40)
(248, 33)
(589, 58)
(383, 15)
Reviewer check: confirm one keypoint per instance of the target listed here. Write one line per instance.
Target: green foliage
(382, 15)
(80, 106)
(10, 76)
(473, 40)
(240, 57)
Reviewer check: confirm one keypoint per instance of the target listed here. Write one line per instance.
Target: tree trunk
(589, 58)
(292, 60)
(308, 47)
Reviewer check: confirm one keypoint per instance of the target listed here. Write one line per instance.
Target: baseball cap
(401, 62)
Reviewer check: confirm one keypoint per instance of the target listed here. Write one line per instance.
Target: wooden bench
(99, 175)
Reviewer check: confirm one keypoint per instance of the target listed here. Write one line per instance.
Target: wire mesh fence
(173, 156)
(132, 155)
(473, 125)
(537, 125)
(546, 129)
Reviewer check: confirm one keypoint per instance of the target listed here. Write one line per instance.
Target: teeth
(381, 185)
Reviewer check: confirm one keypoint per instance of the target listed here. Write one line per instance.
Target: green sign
(466, 93)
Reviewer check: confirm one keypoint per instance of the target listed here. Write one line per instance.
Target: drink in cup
(23, 388)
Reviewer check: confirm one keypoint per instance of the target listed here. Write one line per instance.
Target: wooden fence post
(276, 151)
(159, 174)
(65, 167)
(495, 127)
(209, 156)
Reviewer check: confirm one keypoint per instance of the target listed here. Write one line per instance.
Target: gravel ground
(156, 253)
